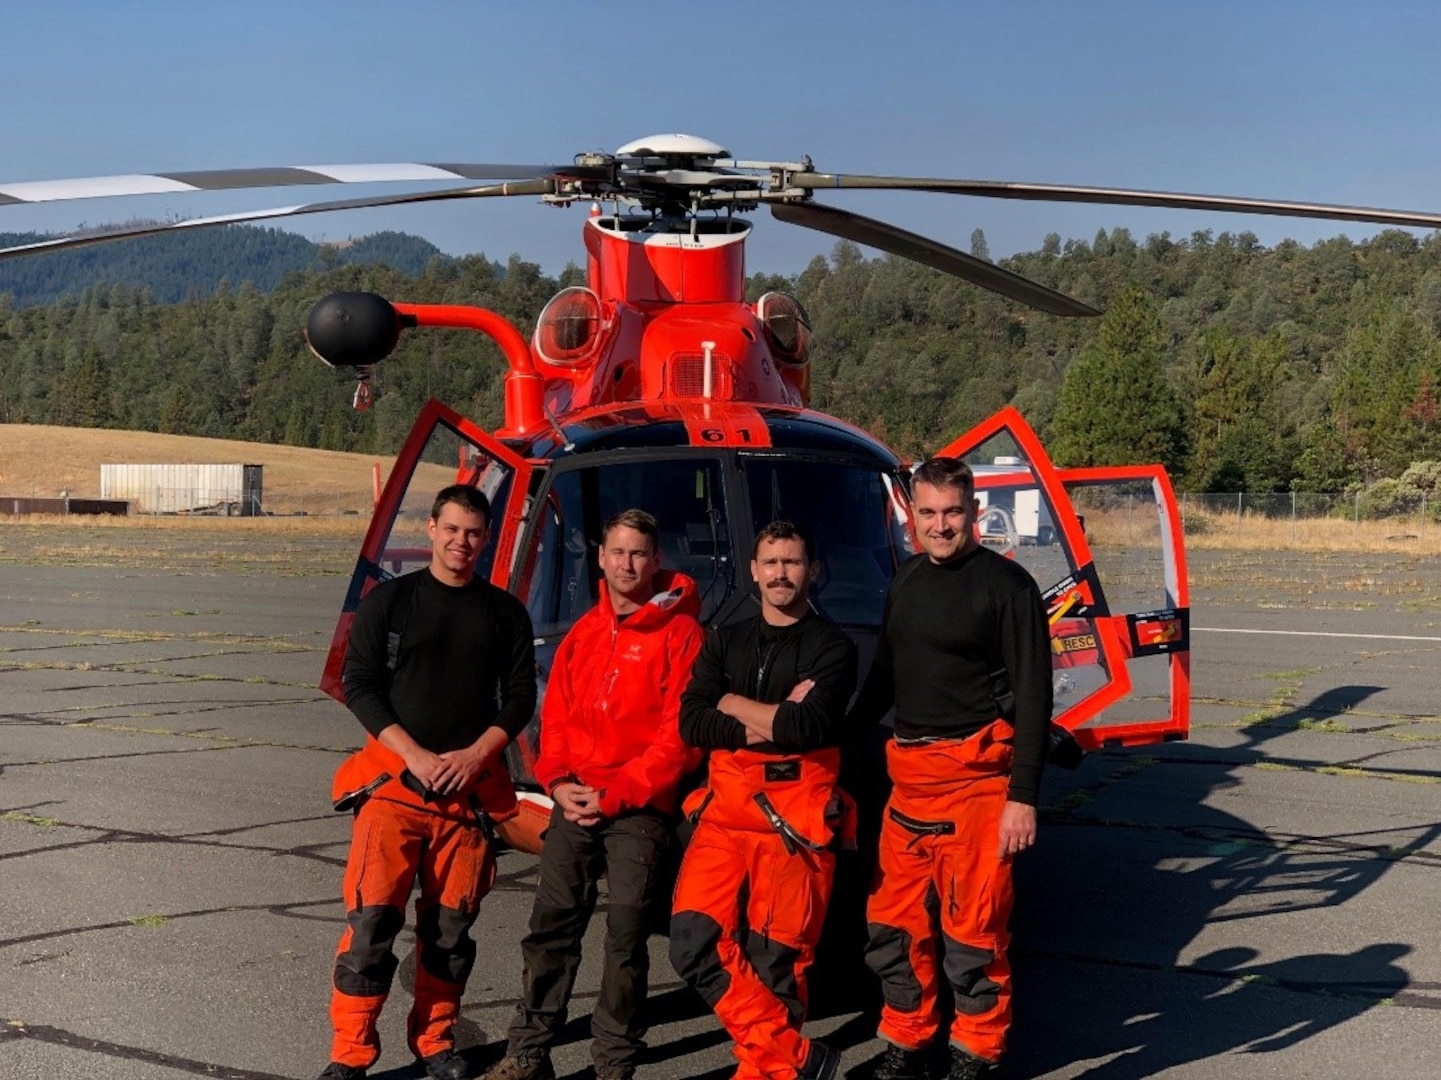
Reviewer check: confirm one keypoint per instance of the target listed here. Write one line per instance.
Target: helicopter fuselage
(658, 386)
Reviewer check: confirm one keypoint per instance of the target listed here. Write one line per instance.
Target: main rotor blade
(1002, 189)
(909, 245)
(104, 187)
(541, 186)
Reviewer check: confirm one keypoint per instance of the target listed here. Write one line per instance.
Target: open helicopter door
(1134, 528)
(1027, 515)
(443, 448)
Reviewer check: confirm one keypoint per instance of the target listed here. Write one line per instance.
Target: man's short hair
(946, 472)
(464, 496)
(639, 520)
(785, 530)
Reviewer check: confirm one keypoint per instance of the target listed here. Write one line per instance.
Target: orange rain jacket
(606, 720)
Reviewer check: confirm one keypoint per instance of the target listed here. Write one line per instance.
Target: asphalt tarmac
(1263, 900)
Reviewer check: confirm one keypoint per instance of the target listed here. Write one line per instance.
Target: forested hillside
(185, 265)
(1241, 367)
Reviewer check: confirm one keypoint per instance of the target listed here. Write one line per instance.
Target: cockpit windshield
(856, 517)
(683, 494)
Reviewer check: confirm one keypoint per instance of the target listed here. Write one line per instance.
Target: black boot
(446, 1065)
(336, 1071)
(966, 1066)
(902, 1064)
(822, 1063)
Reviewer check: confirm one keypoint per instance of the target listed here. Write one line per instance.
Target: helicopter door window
(849, 511)
(443, 448)
(685, 497)
(448, 457)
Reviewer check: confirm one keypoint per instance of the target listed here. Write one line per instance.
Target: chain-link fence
(276, 503)
(194, 502)
(1384, 509)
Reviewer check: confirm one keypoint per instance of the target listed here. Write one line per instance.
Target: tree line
(1238, 366)
(186, 265)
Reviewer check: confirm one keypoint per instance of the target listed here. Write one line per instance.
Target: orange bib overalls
(397, 835)
(942, 894)
(752, 893)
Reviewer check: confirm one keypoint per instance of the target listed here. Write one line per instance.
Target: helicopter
(656, 384)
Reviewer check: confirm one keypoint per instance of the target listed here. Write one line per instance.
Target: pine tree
(1115, 406)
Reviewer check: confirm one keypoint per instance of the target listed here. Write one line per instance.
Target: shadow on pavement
(1108, 908)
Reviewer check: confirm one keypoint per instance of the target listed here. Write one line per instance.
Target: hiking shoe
(822, 1063)
(446, 1065)
(336, 1071)
(526, 1065)
(902, 1064)
(966, 1066)
(615, 1072)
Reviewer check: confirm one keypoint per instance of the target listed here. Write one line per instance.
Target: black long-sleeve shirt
(764, 663)
(947, 628)
(443, 661)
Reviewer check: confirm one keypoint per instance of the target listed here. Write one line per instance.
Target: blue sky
(1322, 101)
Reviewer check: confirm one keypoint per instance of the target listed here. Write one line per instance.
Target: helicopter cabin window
(447, 457)
(685, 497)
(856, 524)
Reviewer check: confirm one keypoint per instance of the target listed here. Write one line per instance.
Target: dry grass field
(187, 545)
(333, 492)
(41, 460)
(1254, 532)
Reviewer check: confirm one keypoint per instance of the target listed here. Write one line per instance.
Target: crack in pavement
(512, 882)
(18, 1029)
(229, 741)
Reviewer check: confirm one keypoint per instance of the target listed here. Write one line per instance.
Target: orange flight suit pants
(749, 905)
(391, 844)
(942, 897)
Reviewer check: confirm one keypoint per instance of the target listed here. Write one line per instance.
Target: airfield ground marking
(1314, 633)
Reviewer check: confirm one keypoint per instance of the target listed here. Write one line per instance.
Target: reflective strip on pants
(941, 904)
(747, 918)
(391, 843)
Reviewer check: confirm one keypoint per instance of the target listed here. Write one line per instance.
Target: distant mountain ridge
(191, 264)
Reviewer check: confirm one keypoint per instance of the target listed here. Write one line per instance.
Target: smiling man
(964, 656)
(767, 699)
(611, 758)
(440, 671)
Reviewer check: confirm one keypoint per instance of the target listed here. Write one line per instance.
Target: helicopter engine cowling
(354, 329)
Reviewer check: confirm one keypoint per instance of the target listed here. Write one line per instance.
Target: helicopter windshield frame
(687, 491)
(710, 504)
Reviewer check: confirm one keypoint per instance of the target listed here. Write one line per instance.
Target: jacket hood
(676, 594)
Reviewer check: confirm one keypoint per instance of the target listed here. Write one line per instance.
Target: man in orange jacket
(440, 670)
(611, 758)
(767, 698)
(964, 655)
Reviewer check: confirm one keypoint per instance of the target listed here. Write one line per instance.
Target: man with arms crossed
(964, 630)
(440, 671)
(767, 699)
(611, 758)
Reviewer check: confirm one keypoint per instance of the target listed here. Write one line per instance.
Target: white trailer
(185, 488)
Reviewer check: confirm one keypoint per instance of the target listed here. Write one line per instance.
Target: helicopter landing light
(787, 327)
(571, 328)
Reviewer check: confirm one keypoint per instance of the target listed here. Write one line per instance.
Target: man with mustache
(767, 698)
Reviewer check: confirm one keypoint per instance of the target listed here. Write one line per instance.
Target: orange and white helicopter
(658, 385)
